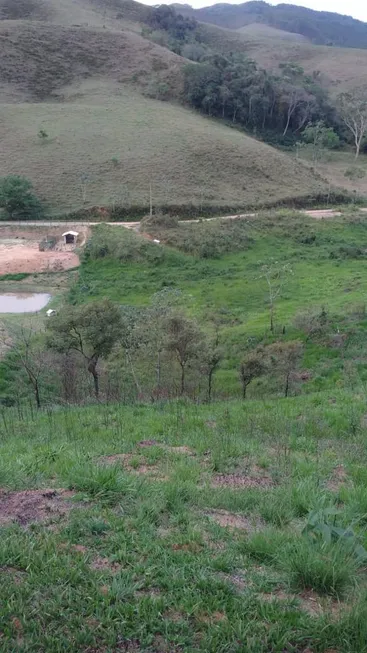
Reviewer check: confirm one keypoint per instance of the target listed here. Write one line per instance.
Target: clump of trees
(18, 199)
(234, 88)
(101, 351)
(92, 330)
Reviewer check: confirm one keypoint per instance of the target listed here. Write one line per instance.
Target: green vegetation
(18, 200)
(184, 527)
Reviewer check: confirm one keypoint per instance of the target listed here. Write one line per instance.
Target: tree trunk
(182, 379)
(244, 388)
(37, 395)
(272, 318)
(286, 389)
(92, 368)
(210, 383)
(158, 370)
(288, 121)
(358, 147)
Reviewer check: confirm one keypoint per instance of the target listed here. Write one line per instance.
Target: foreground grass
(186, 528)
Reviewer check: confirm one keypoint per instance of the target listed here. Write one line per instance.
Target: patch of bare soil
(104, 564)
(125, 459)
(237, 580)
(178, 449)
(232, 520)
(256, 477)
(214, 617)
(309, 602)
(17, 575)
(151, 592)
(24, 256)
(338, 478)
(30, 506)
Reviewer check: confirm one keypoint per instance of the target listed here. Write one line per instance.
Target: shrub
(18, 199)
(355, 173)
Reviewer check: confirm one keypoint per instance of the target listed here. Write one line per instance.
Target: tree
(27, 353)
(285, 357)
(92, 330)
(311, 322)
(18, 199)
(276, 276)
(210, 356)
(184, 340)
(252, 367)
(353, 111)
(320, 137)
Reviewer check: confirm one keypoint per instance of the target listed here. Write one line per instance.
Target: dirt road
(318, 214)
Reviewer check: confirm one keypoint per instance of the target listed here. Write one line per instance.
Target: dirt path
(318, 214)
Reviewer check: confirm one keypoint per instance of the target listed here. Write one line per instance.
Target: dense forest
(277, 107)
(321, 27)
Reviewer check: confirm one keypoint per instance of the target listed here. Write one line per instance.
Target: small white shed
(50, 312)
(70, 237)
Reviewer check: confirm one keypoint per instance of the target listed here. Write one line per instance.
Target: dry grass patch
(143, 466)
(232, 520)
(255, 478)
(338, 479)
(30, 506)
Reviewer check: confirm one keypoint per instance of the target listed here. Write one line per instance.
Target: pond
(23, 302)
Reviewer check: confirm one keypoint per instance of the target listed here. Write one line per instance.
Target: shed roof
(71, 233)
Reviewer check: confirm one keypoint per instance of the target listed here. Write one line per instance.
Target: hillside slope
(342, 69)
(111, 143)
(320, 27)
(38, 58)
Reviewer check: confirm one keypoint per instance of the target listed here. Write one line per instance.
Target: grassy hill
(122, 142)
(320, 27)
(97, 92)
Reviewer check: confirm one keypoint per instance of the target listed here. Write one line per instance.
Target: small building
(50, 312)
(70, 237)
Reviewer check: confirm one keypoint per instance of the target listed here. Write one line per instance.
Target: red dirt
(33, 505)
(26, 257)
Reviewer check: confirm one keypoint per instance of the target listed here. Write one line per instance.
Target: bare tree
(285, 357)
(252, 367)
(28, 354)
(353, 111)
(296, 98)
(184, 340)
(276, 276)
(210, 356)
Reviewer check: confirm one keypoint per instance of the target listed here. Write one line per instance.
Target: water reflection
(23, 302)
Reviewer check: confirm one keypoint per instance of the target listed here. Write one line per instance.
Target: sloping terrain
(36, 58)
(261, 30)
(320, 27)
(108, 143)
(341, 69)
